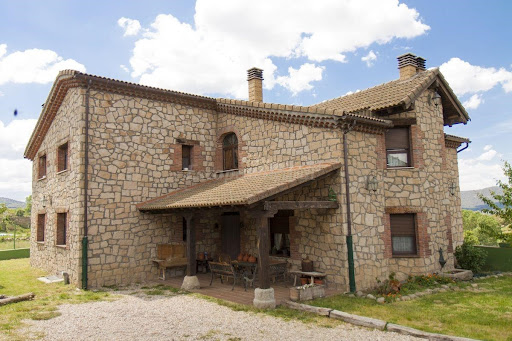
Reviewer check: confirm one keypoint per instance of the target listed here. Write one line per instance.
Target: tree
(481, 228)
(28, 207)
(501, 204)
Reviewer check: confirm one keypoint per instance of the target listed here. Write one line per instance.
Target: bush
(469, 257)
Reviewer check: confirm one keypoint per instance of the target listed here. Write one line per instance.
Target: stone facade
(135, 154)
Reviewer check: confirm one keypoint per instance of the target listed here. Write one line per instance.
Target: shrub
(469, 257)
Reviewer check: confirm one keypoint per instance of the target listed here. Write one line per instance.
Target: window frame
(285, 231)
(65, 227)
(44, 168)
(233, 148)
(41, 227)
(190, 153)
(63, 167)
(413, 234)
(407, 151)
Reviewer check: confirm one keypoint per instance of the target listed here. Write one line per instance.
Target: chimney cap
(254, 73)
(411, 59)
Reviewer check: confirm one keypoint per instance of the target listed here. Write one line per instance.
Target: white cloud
(15, 172)
(481, 171)
(465, 78)
(473, 102)
(131, 27)
(228, 37)
(33, 66)
(300, 79)
(124, 68)
(369, 58)
(1, 94)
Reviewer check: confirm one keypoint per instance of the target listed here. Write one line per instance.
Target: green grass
(16, 278)
(20, 244)
(485, 315)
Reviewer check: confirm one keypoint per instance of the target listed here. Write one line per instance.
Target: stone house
(363, 185)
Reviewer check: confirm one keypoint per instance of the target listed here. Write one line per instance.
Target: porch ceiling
(238, 191)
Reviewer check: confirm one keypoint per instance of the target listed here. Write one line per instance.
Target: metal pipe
(347, 127)
(85, 241)
(463, 148)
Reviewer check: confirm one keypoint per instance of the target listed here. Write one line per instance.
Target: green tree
(501, 204)
(28, 207)
(481, 228)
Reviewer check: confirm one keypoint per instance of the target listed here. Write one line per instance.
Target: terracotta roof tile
(394, 93)
(242, 190)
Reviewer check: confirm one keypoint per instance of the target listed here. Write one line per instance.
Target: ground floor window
(62, 227)
(41, 222)
(403, 234)
(280, 233)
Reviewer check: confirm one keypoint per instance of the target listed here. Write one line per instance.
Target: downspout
(346, 128)
(85, 242)
(463, 148)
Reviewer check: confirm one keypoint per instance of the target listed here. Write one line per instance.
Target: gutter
(463, 148)
(346, 128)
(85, 241)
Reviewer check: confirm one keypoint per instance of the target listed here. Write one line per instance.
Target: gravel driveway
(184, 317)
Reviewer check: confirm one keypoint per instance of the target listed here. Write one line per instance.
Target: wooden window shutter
(42, 166)
(40, 227)
(397, 138)
(61, 228)
(402, 224)
(62, 158)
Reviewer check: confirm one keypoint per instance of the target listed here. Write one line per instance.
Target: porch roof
(237, 191)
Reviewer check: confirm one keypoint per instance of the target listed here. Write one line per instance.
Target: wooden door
(231, 234)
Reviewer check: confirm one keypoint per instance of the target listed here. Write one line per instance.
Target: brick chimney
(255, 79)
(409, 65)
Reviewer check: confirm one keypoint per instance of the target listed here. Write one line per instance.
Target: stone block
(358, 320)
(264, 298)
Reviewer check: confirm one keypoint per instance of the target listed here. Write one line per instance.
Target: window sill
(40, 242)
(187, 170)
(227, 171)
(398, 168)
(62, 171)
(406, 256)
(279, 256)
(61, 246)
(42, 178)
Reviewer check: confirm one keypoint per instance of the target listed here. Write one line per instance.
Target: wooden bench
(312, 275)
(170, 256)
(222, 269)
(278, 269)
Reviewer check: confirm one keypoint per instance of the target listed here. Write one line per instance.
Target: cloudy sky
(310, 51)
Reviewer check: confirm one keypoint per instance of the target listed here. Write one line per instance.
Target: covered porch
(253, 199)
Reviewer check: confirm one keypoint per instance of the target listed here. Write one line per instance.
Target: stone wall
(62, 190)
(133, 145)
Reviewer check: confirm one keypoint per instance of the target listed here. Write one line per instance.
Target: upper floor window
(398, 150)
(186, 157)
(230, 151)
(62, 157)
(403, 234)
(41, 171)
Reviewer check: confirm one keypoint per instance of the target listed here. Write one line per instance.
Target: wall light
(372, 183)
(452, 188)
(434, 99)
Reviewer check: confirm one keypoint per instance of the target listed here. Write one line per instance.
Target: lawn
(20, 244)
(485, 315)
(16, 278)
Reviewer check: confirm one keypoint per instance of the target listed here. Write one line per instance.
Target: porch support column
(190, 281)
(264, 295)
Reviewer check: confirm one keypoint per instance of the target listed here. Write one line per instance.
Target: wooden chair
(250, 277)
(277, 270)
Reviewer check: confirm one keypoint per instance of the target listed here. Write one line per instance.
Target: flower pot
(252, 259)
(307, 265)
(246, 257)
(200, 256)
(304, 280)
(240, 257)
(319, 281)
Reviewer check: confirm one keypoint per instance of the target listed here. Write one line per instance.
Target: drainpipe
(85, 242)
(463, 148)
(346, 128)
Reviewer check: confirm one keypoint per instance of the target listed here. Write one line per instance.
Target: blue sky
(310, 50)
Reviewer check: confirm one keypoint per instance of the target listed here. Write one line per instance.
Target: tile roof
(394, 93)
(242, 190)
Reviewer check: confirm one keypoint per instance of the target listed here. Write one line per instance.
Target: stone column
(190, 281)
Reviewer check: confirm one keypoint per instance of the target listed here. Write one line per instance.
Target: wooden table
(312, 274)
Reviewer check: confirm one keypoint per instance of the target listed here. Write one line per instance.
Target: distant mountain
(470, 200)
(11, 203)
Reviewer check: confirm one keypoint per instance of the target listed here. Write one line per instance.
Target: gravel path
(184, 317)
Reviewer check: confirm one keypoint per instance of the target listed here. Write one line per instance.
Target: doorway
(230, 234)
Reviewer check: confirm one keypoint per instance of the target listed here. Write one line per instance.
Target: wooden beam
(264, 250)
(191, 245)
(298, 205)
